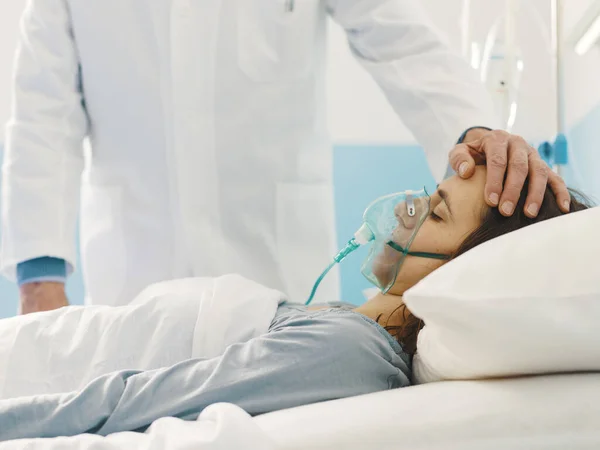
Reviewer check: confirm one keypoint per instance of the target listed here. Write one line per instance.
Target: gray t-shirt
(305, 357)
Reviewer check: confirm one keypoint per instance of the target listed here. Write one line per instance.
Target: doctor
(209, 145)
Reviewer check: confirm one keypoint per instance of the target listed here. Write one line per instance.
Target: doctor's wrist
(42, 296)
(35, 287)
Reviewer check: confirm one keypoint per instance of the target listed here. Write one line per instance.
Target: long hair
(492, 226)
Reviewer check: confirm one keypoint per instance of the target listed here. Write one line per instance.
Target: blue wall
(583, 169)
(361, 174)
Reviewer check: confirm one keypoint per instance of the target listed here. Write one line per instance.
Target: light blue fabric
(306, 357)
(45, 268)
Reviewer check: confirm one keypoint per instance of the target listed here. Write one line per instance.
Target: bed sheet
(542, 412)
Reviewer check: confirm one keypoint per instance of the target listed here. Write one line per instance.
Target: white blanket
(63, 350)
(221, 426)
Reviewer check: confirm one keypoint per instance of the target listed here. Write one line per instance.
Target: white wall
(582, 90)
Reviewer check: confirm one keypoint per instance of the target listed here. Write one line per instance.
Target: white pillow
(525, 303)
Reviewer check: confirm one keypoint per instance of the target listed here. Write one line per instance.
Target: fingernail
(462, 169)
(567, 205)
(507, 207)
(494, 198)
(532, 209)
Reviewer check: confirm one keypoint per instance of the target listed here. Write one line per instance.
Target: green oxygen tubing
(362, 236)
(391, 221)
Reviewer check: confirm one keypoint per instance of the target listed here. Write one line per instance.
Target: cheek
(413, 270)
(433, 238)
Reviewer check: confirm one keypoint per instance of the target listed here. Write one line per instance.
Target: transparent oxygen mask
(390, 225)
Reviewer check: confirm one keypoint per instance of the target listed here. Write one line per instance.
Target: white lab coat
(206, 119)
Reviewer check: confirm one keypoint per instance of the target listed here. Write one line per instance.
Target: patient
(459, 221)
(307, 356)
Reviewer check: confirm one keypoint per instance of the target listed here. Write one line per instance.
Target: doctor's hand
(510, 155)
(42, 296)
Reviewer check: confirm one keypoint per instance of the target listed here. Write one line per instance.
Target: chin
(385, 264)
(410, 274)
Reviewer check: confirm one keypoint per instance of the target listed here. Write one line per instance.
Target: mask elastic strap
(401, 249)
(429, 255)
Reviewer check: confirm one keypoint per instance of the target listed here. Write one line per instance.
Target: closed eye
(435, 217)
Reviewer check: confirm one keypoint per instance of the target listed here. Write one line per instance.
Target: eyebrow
(444, 194)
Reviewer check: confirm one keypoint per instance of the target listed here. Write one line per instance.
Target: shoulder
(345, 338)
(339, 323)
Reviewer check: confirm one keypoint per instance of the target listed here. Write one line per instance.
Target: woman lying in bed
(308, 355)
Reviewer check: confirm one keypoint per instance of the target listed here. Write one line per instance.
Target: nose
(401, 211)
(398, 209)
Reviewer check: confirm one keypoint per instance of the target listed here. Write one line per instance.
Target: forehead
(466, 196)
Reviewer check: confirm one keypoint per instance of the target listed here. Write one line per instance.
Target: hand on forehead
(464, 198)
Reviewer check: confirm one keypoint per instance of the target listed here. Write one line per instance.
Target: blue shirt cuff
(45, 268)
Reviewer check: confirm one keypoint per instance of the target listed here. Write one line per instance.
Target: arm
(305, 361)
(433, 90)
(44, 160)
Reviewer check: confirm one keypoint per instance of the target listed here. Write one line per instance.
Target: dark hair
(492, 226)
(495, 224)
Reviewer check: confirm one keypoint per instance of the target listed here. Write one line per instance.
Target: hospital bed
(540, 412)
(527, 326)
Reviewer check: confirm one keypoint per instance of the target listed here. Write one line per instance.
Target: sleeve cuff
(41, 269)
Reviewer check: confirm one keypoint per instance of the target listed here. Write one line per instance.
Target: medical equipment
(500, 64)
(586, 33)
(391, 223)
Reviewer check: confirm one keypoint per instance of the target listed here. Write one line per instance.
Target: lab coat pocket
(103, 243)
(306, 239)
(276, 38)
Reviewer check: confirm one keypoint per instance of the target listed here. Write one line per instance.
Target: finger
(558, 186)
(461, 161)
(538, 180)
(495, 146)
(517, 171)
(476, 151)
